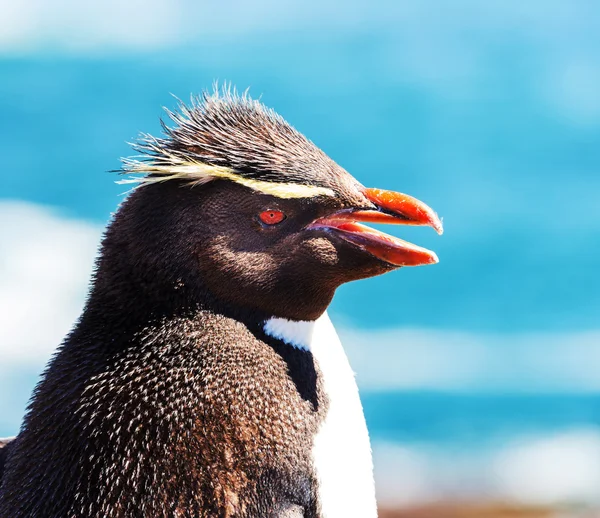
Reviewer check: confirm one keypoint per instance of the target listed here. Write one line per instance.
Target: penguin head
(234, 200)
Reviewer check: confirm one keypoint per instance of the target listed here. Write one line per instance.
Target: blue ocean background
(491, 115)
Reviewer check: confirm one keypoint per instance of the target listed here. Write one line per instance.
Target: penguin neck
(122, 299)
(122, 303)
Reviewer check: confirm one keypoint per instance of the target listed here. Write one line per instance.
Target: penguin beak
(386, 207)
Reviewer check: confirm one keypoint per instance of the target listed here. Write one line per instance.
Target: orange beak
(389, 207)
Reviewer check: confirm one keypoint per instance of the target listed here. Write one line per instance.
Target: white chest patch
(341, 449)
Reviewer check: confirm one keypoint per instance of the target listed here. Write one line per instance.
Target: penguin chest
(341, 452)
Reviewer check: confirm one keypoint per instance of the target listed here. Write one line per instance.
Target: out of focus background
(480, 376)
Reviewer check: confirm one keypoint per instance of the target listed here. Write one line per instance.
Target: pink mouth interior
(383, 246)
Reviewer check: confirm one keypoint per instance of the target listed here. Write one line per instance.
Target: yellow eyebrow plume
(198, 173)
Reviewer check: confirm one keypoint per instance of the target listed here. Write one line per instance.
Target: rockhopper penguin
(204, 377)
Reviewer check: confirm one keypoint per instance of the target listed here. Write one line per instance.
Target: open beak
(389, 207)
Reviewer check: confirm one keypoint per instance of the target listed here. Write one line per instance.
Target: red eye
(271, 217)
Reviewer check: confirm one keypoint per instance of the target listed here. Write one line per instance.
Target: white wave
(454, 360)
(562, 469)
(88, 27)
(553, 469)
(46, 263)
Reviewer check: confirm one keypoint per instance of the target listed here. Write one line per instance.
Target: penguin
(204, 377)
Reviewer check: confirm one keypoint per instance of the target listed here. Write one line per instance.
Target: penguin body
(163, 429)
(204, 378)
(170, 413)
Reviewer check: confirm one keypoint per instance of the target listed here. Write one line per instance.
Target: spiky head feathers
(227, 136)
